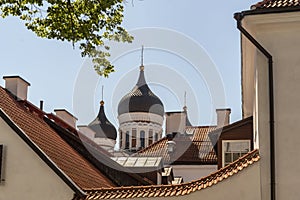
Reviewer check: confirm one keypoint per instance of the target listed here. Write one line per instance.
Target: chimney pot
(175, 122)
(41, 104)
(223, 117)
(66, 116)
(17, 86)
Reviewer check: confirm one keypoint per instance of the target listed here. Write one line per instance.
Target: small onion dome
(102, 127)
(141, 99)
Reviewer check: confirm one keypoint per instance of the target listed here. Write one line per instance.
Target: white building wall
(241, 186)
(279, 34)
(26, 175)
(193, 172)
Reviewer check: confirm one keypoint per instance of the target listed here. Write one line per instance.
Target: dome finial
(142, 59)
(184, 106)
(102, 102)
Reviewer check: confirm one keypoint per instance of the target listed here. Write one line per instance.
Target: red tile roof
(174, 190)
(100, 158)
(74, 165)
(194, 148)
(266, 4)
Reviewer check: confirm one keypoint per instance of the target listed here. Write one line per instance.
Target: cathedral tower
(140, 115)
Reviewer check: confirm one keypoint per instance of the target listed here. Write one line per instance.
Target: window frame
(133, 138)
(156, 137)
(142, 139)
(240, 152)
(150, 137)
(127, 140)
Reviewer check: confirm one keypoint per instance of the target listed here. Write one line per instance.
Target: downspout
(239, 17)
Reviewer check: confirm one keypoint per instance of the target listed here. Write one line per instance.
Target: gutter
(239, 17)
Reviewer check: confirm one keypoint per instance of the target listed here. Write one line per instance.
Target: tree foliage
(88, 23)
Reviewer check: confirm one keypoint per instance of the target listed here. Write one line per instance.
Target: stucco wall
(279, 34)
(192, 172)
(244, 185)
(26, 175)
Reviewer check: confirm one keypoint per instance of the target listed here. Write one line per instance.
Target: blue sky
(53, 67)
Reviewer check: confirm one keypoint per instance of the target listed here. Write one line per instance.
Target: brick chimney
(223, 117)
(66, 117)
(17, 86)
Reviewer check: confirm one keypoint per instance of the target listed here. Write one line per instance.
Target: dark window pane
(236, 156)
(127, 140)
(142, 139)
(156, 137)
(228, 157)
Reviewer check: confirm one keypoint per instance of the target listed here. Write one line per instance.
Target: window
(1, 162)
(233, 150)
(142, 139)
(121, 141)
(133, 144)
(127, 140)
(150, 136)
(156, 137)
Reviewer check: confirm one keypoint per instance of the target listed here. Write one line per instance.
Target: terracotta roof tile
(193, 148)
(174, 190)
(75, 166)
(267, 4)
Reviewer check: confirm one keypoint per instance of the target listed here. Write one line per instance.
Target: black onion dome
(141, 99)
(102, 127)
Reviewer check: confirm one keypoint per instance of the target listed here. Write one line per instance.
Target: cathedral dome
(101, 126)
(141, 99)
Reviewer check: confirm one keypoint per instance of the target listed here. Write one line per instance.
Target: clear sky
(54, 68)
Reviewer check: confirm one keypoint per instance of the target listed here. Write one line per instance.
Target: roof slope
(193, 148)
(74, 165)
(266, 4)
(99, 157)
(174, 190)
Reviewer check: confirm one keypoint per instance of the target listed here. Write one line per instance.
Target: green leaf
(89, 23)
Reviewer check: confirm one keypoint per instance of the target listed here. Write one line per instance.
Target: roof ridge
(202, 126)
(262, 3)
(174, 190)
(273, 4)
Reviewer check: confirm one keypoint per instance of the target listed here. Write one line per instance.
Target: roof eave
(260, 11)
